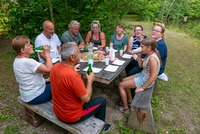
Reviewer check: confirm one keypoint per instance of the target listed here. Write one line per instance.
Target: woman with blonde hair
(158, 34)
(96, 36)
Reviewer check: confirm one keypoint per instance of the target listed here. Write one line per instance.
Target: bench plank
(91, 125)
(141, 116)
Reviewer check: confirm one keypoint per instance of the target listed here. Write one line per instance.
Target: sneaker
(106, 128)
(163, 77)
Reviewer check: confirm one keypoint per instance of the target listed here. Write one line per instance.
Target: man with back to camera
(73, 35)
(48, 37)
(71, 98)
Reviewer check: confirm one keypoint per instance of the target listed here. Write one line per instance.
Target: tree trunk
(51, 10)
(168, 12)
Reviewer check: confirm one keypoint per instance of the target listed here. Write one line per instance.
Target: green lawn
(178, 105)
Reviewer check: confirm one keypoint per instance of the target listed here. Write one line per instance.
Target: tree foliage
(26, 16)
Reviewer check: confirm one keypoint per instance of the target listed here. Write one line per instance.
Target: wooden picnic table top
(105, 76)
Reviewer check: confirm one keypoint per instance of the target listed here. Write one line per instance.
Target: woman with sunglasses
(96, 36)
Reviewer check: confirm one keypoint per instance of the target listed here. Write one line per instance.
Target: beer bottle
(89, 71)
(85, 48)
(122, 50)
(38, 48)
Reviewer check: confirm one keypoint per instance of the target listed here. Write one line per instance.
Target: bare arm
(130, 44)
(90, 80)
(139, 58)
(125, 48)
(111, 45)
(45, 68)
(59, 49)
(103, 40)
(81, 45)
(88, 36)
(153, 67)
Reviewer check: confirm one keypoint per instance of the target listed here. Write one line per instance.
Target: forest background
(26, 16)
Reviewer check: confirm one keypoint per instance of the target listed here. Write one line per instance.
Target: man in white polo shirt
(48, 37)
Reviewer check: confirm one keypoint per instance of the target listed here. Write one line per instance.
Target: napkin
(115, 50)
(118, 62)
(111, 68)
(54, 60)
(94, 69)
(95, 48)
(127, 56)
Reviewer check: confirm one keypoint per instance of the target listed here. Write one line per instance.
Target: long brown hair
(152, 43)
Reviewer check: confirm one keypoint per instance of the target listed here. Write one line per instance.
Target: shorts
(141, 79)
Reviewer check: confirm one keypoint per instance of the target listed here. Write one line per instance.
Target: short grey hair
(73, 23)
(67, 50)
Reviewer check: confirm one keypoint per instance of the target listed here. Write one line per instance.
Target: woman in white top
(29, 73)
(144, 79)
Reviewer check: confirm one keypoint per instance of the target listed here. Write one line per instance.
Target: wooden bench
(33, 115)
(141, 116)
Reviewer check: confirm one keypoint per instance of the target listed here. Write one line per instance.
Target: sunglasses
(95, 27)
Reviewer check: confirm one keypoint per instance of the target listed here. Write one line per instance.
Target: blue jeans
(44, 97)
(96, 107)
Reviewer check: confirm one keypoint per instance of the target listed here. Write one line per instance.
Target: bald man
(48, 37)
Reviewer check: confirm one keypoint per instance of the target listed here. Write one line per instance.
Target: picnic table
(104, 76)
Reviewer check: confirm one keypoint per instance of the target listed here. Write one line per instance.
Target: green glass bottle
(85, 48)
(89, 71)
(122, 47)
(122, 50)
(38, 48)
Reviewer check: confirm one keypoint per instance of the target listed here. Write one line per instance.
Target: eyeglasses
(154, 30)
(138, 30)
(95, 27)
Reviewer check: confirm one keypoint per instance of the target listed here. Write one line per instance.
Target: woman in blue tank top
(134, 42)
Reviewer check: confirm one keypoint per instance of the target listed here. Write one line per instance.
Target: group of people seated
(70, 96)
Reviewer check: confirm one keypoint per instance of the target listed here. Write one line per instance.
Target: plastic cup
(107, 49)
(121, 52)
(137, 50)
(107, 61)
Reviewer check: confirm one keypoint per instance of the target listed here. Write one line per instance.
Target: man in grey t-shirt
(73, 35)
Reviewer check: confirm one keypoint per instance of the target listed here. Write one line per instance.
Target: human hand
(135, 56)
(139, 54)
(90, 77)
(99, 47)
(139, 89)
(47, 79)
(77, 68)
(46, 49)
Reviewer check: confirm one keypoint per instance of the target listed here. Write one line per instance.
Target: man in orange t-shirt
(71, 99)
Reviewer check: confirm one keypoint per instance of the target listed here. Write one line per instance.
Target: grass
(176, 106)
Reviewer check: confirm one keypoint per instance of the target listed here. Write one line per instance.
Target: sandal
(121, 104)
(124, 110)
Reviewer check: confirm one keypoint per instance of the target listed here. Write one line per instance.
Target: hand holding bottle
(46, 49)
